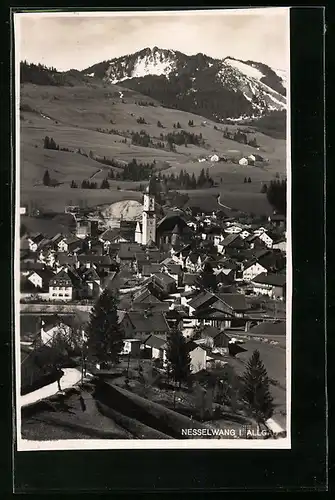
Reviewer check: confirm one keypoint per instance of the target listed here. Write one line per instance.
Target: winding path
(71, 377)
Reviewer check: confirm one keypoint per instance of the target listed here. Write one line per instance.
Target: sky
(76, 41)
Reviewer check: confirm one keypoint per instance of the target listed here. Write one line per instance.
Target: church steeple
(149, 214)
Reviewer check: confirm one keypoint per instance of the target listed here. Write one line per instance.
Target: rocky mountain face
(219, 89)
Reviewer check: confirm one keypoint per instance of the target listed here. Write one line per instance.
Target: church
(168, 230)
(145, 233)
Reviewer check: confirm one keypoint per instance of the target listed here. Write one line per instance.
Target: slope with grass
(94, 118)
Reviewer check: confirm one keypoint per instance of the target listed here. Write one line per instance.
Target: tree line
(186, 181)
(240, 137)
(276, 195)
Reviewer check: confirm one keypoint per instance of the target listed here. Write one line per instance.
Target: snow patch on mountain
(247, 70)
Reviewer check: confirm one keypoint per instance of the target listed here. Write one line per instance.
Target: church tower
(149, 215)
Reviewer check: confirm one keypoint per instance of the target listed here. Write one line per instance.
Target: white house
(157, 346)
(23, 210)
(244, 234)
(243, 162)
(233, 229)
(51, 327)
(215, 158)
(253, 270)
(280, 245)
(266, 239)
(198, 357)
(40, 279)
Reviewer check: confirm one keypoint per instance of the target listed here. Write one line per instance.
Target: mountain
(218, 89)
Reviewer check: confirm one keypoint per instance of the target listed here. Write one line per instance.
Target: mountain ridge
(198, 83)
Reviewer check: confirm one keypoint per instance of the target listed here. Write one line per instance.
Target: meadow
(72, 116)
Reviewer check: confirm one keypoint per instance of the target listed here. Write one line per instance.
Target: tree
(249, 180)
(276, 195)
(104, 184)
(46, 178)
(264, 188)
(73, 185)
(46, 143)
(207, 278)
(105, 335)
(255, 389)
(178, 356)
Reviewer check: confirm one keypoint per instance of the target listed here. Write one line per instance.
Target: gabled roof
(190, 278)
(194, 257)
(269, 328)
(231, 238)
(127, 251)
(62, 275)
(64, 258)
(164, 278)
(271, 279)
(152, 322)
(45, 274)
(90, 274)
(203, 298)
(52, 321)
(146, 296)
(156, 342)
(236, 301)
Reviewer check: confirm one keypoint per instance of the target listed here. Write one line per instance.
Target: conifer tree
(245, 180)
(46, 178)
(249, 180)
(256, 389)
(104, 333)
(178, 356)
(46, 143)
(73, 185)
(207, 278)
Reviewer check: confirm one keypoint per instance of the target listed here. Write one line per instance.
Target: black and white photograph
(152, 229)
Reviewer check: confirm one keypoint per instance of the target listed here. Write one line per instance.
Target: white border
(25, 445)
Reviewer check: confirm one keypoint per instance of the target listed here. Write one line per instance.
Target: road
(70, 378)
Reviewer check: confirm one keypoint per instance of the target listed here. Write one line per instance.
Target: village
(219, 281)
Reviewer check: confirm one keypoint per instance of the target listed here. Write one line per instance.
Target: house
(198, 355)
(278, 220)
(212, 337)
(34, 241)
(190, 281)
(139, 325)
(113, 235)
(92, 282)
(253, 158)
(61, 287)
(40, 279)
(51, 326)
(233, 241)
(280, 245)
(125, 256)
(158, 347)
(273, 285)
(214, 158)
(173, 270)
(165, 283)
(243, 161)
(193, 262)
(233, 228)
(47, 256)
(263, 262)
(132, 347)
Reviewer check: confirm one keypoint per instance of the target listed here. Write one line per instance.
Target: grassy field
(72, 115)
